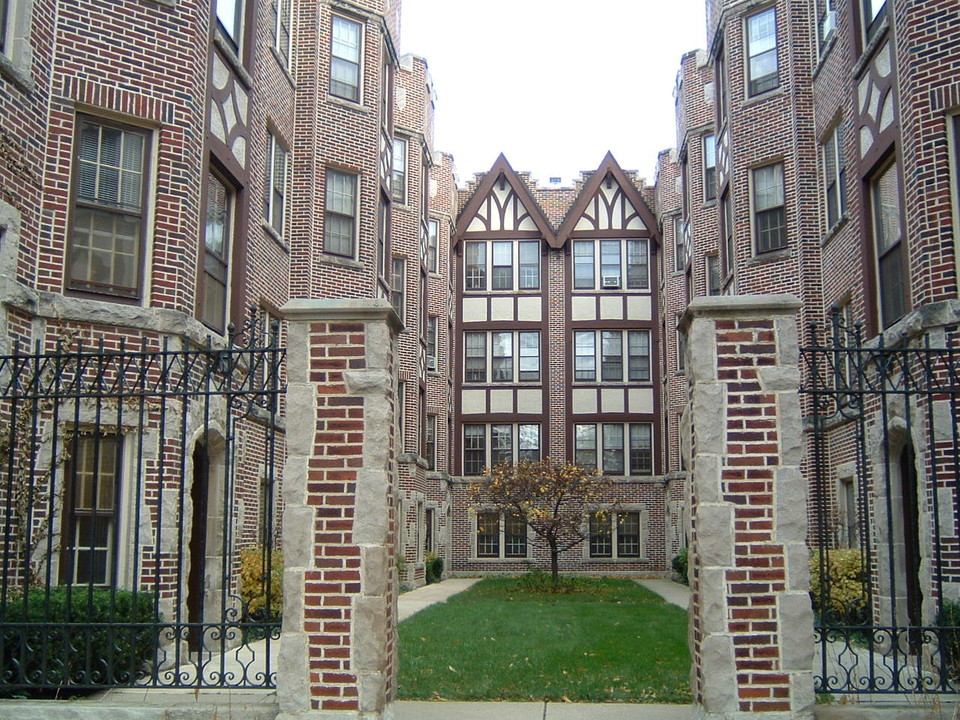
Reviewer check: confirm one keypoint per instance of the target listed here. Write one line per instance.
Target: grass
(599, 640)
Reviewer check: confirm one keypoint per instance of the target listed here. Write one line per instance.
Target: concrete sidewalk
(414, 601)
(673, 592)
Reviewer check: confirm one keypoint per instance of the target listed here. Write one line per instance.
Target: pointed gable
(609, 203)
(502, 203)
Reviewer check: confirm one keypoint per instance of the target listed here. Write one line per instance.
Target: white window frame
(433, 324)
(275, 202)
(608, 275)
(232, 27)
(892, 302)
(580, 345)
(334, 90)
(834, 179)
(398, 171)
(501, 537)
(764, 208)
(398, 287)
(433, 245)
(430, 442)
(873, 13)
(711, 271)
(490, 356)
(283, 31)
(614, 519)
(339, 213)
(521, 434)
(482, 259)
(584, 447)
(709, 167)
(758, 47)
(219, 324)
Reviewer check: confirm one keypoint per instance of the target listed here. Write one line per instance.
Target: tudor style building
(557, 340)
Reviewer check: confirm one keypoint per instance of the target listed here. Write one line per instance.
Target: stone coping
(343, 310)
(741, 306)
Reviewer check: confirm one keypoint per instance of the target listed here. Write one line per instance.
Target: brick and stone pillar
(337, 656)
(751, 622)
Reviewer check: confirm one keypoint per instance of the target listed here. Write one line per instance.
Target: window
(345, 59)
(679, 247)
(513, 265)
(762, 51)
(340, 218)
(496, 531)
(713, 274)
(874, 12)
(614, 534)
(615, 459)
(709, 167)
(833, 178)
(430, 442)
(769, 217)
(281, 32)
(489, 445)
(230, 18)
(826, 20)
(6, 26)
(514, 356)
(681, 350)
(612, 356)
(432, 342)
(401, 417)
(398, 176)
(398, 281)
(609, 261)
(90, 511)
(109, 196)
(887, 235)
(383, 227)
(429, 523)
(728, 257)
(721, 80)
(217, 241)
(848, 529)
(433, 244)
(276, 184)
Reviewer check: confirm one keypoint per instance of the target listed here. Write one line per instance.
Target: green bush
(77, 637)
(434, 568)
(948, 619)
(254, 593)
(680, 565)
(842, 598)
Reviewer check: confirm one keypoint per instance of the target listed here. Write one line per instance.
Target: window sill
(341, 261)
(834, 231)
(524, 559)
(17, 74)
(285, 67)
(277, 238)
(231, 58)
(871, 48)
(614, 560)
(764, 96)
(825, 51)
(497, 293)
(349, 105)
(769, 257)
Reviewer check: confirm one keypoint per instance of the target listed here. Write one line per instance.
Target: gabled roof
(485, 193)
(609, 171)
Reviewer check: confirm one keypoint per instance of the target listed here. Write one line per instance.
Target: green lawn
(616, 641)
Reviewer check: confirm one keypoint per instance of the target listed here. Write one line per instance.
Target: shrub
(81, 637)
(842, 598)
(680, 565)
(254, 594)
(540, 581)
(948, 619)
(434, 568)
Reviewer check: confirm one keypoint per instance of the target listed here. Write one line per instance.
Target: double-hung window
(109, 209)
(433, 244)
(345, 59)
(888, 237)
(514, 356)
(614, 534)
(835, 198)
(430, 442)
(281, 33)
(709, 167)
(617, 349)
(276, 184)
(510, 265)
(769, 216)
(398, 285)
(500, 536)
(340, 216)
(679, 245)
(217, 245)
(230, 17)
(92, 489)
(432, 342)
(713, 274)
(488, 445)
(624, 449)
(872, 15)
(763, 72)
(398, 175)
(611, 264)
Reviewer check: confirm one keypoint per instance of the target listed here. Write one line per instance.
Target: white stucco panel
(501, 308)
(501, 401)
(641, 400)
(611, 307)
(529, 309)
(584, 401)
(639, 307)
(583, 307)
(473, 402)
(529, 401)
(611, 400)
(474, 309)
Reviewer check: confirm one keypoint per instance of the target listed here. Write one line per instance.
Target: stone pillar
(751, 622)
(337, 656)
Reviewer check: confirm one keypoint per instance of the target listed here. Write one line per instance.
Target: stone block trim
(748, 568)
(339, 518)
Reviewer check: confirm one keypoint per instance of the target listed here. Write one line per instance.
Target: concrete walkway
(416, 600)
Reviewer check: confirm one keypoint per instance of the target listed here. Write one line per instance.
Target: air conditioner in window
(611, 281)
(829, 24)
(431, 362)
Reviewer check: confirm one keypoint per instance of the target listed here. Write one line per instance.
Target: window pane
(433, 242)
(601, 544)
(529, 357)
(529, 265)
(501, 444)
(585, 446)
(613, 449)
(476, 266)
(398, 178)
(488, 534)
(229, 13)
(345, 59)
(585, 361)
(502, 347)
(628, 534)
(611, 364)
(475, 369)
(638, 351)
(514, 536)
(474, 449)
(529, 447)
(762, 43)
(583, 264)
(641, 449)
(610, 263)
(638, 264)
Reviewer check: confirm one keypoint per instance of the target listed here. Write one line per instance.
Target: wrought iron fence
(138, 514)
(883, 443)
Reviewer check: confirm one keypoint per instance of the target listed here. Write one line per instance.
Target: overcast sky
(553, 84)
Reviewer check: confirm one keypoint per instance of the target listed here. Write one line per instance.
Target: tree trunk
(554, 563)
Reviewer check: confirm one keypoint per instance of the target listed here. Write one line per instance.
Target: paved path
(414, 601)
(671, 591)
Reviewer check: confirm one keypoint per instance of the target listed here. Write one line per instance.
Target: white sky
(553, 84)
